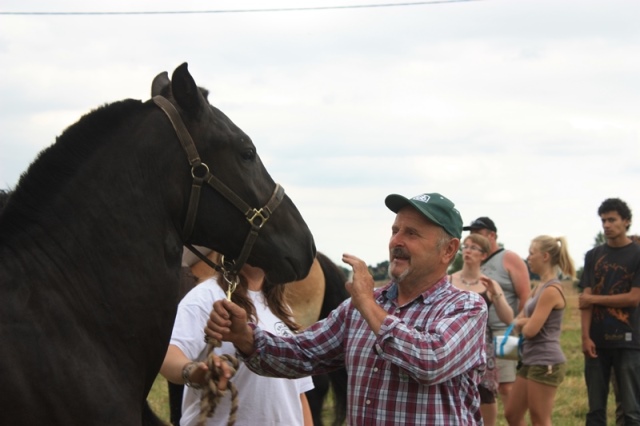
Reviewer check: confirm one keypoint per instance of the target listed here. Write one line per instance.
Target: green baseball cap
(435, 207)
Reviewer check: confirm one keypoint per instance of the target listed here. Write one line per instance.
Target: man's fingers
(351, 259)
(220, 309)
(215, 331)
(358, 265)
(231, 309)
(218, 323)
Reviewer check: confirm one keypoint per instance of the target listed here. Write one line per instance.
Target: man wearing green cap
(414, 348)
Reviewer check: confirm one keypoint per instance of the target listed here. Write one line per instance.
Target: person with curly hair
(610, 316)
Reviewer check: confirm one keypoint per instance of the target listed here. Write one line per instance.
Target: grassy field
(571, 399)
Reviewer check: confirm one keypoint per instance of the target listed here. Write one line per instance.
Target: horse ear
(160, 84)
(185, 91)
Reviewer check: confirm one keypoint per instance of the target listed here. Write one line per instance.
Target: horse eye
(249, 154)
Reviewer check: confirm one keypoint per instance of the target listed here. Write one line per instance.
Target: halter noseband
(257, 218)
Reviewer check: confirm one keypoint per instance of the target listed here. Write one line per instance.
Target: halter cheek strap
(200, 173)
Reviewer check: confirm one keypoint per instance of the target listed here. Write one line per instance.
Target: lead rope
(211, 394)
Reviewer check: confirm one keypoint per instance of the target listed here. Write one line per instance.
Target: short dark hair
(615, 205)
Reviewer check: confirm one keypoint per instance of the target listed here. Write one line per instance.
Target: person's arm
(175, 363)
(586, 280)
(550, 299)
(306, 410)
(451, 343)
(316, 350)
(621, 300)
(186, 343)
(361, 290)
(494, 291)
(519, 275)
(588, 346)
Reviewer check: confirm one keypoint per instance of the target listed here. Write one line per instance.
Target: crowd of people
(419, 350)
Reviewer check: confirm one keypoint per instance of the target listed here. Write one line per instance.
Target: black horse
(91, 241)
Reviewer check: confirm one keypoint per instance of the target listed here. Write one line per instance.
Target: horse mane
(57, 164)
(4, 198)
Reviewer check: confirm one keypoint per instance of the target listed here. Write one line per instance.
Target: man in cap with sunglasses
(511, 272)
(414, 348)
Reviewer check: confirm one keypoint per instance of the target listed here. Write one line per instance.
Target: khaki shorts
(506, 370)
(551, 375)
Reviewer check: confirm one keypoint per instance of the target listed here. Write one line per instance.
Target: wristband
(186, 375)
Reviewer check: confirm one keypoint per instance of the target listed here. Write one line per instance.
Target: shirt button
(368, 401)
(375, 369)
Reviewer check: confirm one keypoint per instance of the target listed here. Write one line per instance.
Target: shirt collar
(390, 291)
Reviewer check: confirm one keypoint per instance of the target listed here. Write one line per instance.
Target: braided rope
(211, 394)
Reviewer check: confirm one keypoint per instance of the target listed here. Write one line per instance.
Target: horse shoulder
(305, 296)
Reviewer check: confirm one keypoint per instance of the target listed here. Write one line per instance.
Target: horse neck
(118, 204)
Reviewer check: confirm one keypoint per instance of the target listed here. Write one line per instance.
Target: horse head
(238, 200)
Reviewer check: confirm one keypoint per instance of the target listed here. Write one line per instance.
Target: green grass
(159, 398)
(571, 399)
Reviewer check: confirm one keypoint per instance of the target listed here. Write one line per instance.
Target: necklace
(469, 283)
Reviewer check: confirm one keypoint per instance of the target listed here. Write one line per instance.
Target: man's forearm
(373, 314)
(585, 322)
(613, 301)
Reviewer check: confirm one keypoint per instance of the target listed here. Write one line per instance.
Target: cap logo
(424, 198)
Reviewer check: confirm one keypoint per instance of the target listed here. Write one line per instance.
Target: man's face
(613, 225)
(413, 251)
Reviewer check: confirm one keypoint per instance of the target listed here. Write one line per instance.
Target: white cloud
(524, 111)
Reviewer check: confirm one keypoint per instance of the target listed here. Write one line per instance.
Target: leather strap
(200, 173)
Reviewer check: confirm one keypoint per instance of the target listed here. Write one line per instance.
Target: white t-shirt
(261, 400)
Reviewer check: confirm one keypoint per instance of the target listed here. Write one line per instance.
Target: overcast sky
(524, 111)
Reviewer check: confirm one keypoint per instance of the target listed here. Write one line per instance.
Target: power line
(283, 9)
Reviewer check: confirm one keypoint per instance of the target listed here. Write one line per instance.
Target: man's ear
(450, 250)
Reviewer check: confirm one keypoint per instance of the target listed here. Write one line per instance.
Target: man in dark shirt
(611, 316)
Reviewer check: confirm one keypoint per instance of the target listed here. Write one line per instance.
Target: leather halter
(257, 218)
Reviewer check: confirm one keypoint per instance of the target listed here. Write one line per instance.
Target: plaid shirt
(422, 368)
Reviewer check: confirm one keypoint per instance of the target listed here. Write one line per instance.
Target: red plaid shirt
(422, 368)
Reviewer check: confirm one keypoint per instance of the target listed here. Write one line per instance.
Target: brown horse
(308, 307)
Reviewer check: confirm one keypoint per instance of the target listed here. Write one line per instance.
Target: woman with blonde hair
(540, 322)
(475, 249)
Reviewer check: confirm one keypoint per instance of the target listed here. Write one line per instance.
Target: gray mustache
(399, 252)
